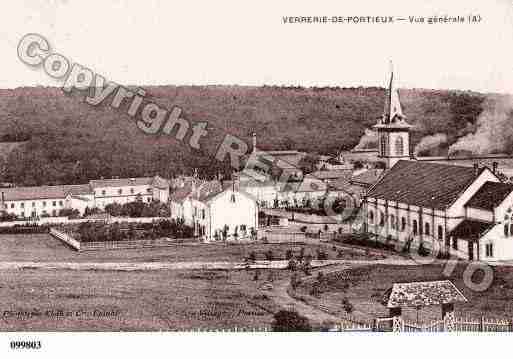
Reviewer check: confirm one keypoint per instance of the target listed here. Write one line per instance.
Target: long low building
(27, 202)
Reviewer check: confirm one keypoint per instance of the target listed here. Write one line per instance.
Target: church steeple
(393, 130)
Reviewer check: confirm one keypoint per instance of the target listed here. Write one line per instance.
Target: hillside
(71, 141)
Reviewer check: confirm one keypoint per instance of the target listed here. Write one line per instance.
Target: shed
(421, 294)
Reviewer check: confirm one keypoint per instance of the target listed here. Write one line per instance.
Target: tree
(269, 255)
(308, 163)
(290, 321)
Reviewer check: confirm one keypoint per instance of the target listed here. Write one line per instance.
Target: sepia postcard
(232, 171)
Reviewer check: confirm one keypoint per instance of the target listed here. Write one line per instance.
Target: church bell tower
(392, 129)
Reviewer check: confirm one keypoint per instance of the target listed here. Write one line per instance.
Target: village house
(30, 202)
(215, 213)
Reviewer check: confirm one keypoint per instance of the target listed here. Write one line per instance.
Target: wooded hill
(70, 141)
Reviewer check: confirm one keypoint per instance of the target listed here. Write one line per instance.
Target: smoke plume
(368, 140)
(494, 133)
(428, 143)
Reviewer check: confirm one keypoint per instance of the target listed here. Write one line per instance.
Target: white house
(124, 190)
(214, 212)
(37, 201)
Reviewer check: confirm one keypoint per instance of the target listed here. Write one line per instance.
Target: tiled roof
(490, 195)
(44, 192)
(160, 182)
(156, 181)
(204, 190)
(420, 294)
(180, 193)
(423, 184)
(470, 229)
(209, 189)
(367, 178)
(330, 174)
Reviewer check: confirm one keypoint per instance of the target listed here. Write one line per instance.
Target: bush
(71, 213)
(290, 321)
(289, 254)
(7, 217)
(295, 281)
(423, 251)
(269, 255)
(320, 277)
(316, 289)
(322, 255)
(346, 304)
(292, 265)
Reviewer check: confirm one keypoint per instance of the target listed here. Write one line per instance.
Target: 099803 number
(21, 344)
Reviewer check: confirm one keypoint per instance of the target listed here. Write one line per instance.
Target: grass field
(127, 301)
(45, 248)
(96, 300)
(364, 288)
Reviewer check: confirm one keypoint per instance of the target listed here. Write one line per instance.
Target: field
(44, 248)
(97, 300)
(364, 288)
(127, 301)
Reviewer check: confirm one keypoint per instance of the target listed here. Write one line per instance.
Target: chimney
(254, 142)
(495, 167)
(476, 169)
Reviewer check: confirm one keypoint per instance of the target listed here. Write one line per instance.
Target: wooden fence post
(375, 325)
(481, 324)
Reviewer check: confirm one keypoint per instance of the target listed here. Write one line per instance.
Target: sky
(246, 43)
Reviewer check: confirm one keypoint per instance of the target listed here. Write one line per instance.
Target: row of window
(44, 212)
(43, 204)
(416, 228)
(120, 191)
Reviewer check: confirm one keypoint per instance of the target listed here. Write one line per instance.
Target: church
(463, 211)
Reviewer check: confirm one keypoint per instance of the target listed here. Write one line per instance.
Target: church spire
(393, 130)
(393, 109)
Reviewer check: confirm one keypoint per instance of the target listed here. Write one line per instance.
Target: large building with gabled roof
(464, 211)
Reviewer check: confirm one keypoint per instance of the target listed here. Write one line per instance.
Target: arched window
(426, 230)
(403, 224)
(371, 217)
(506, 229)
(399, 146)
(392, 221)
(381, 219)
(415, 227)
(440, 233)
(383, 144)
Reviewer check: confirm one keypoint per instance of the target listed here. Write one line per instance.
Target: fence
(65, 238)
(396, 324)
(65, 220)
(110, 245)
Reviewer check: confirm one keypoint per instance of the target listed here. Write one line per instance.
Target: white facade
(226, 212)
(29, 202)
